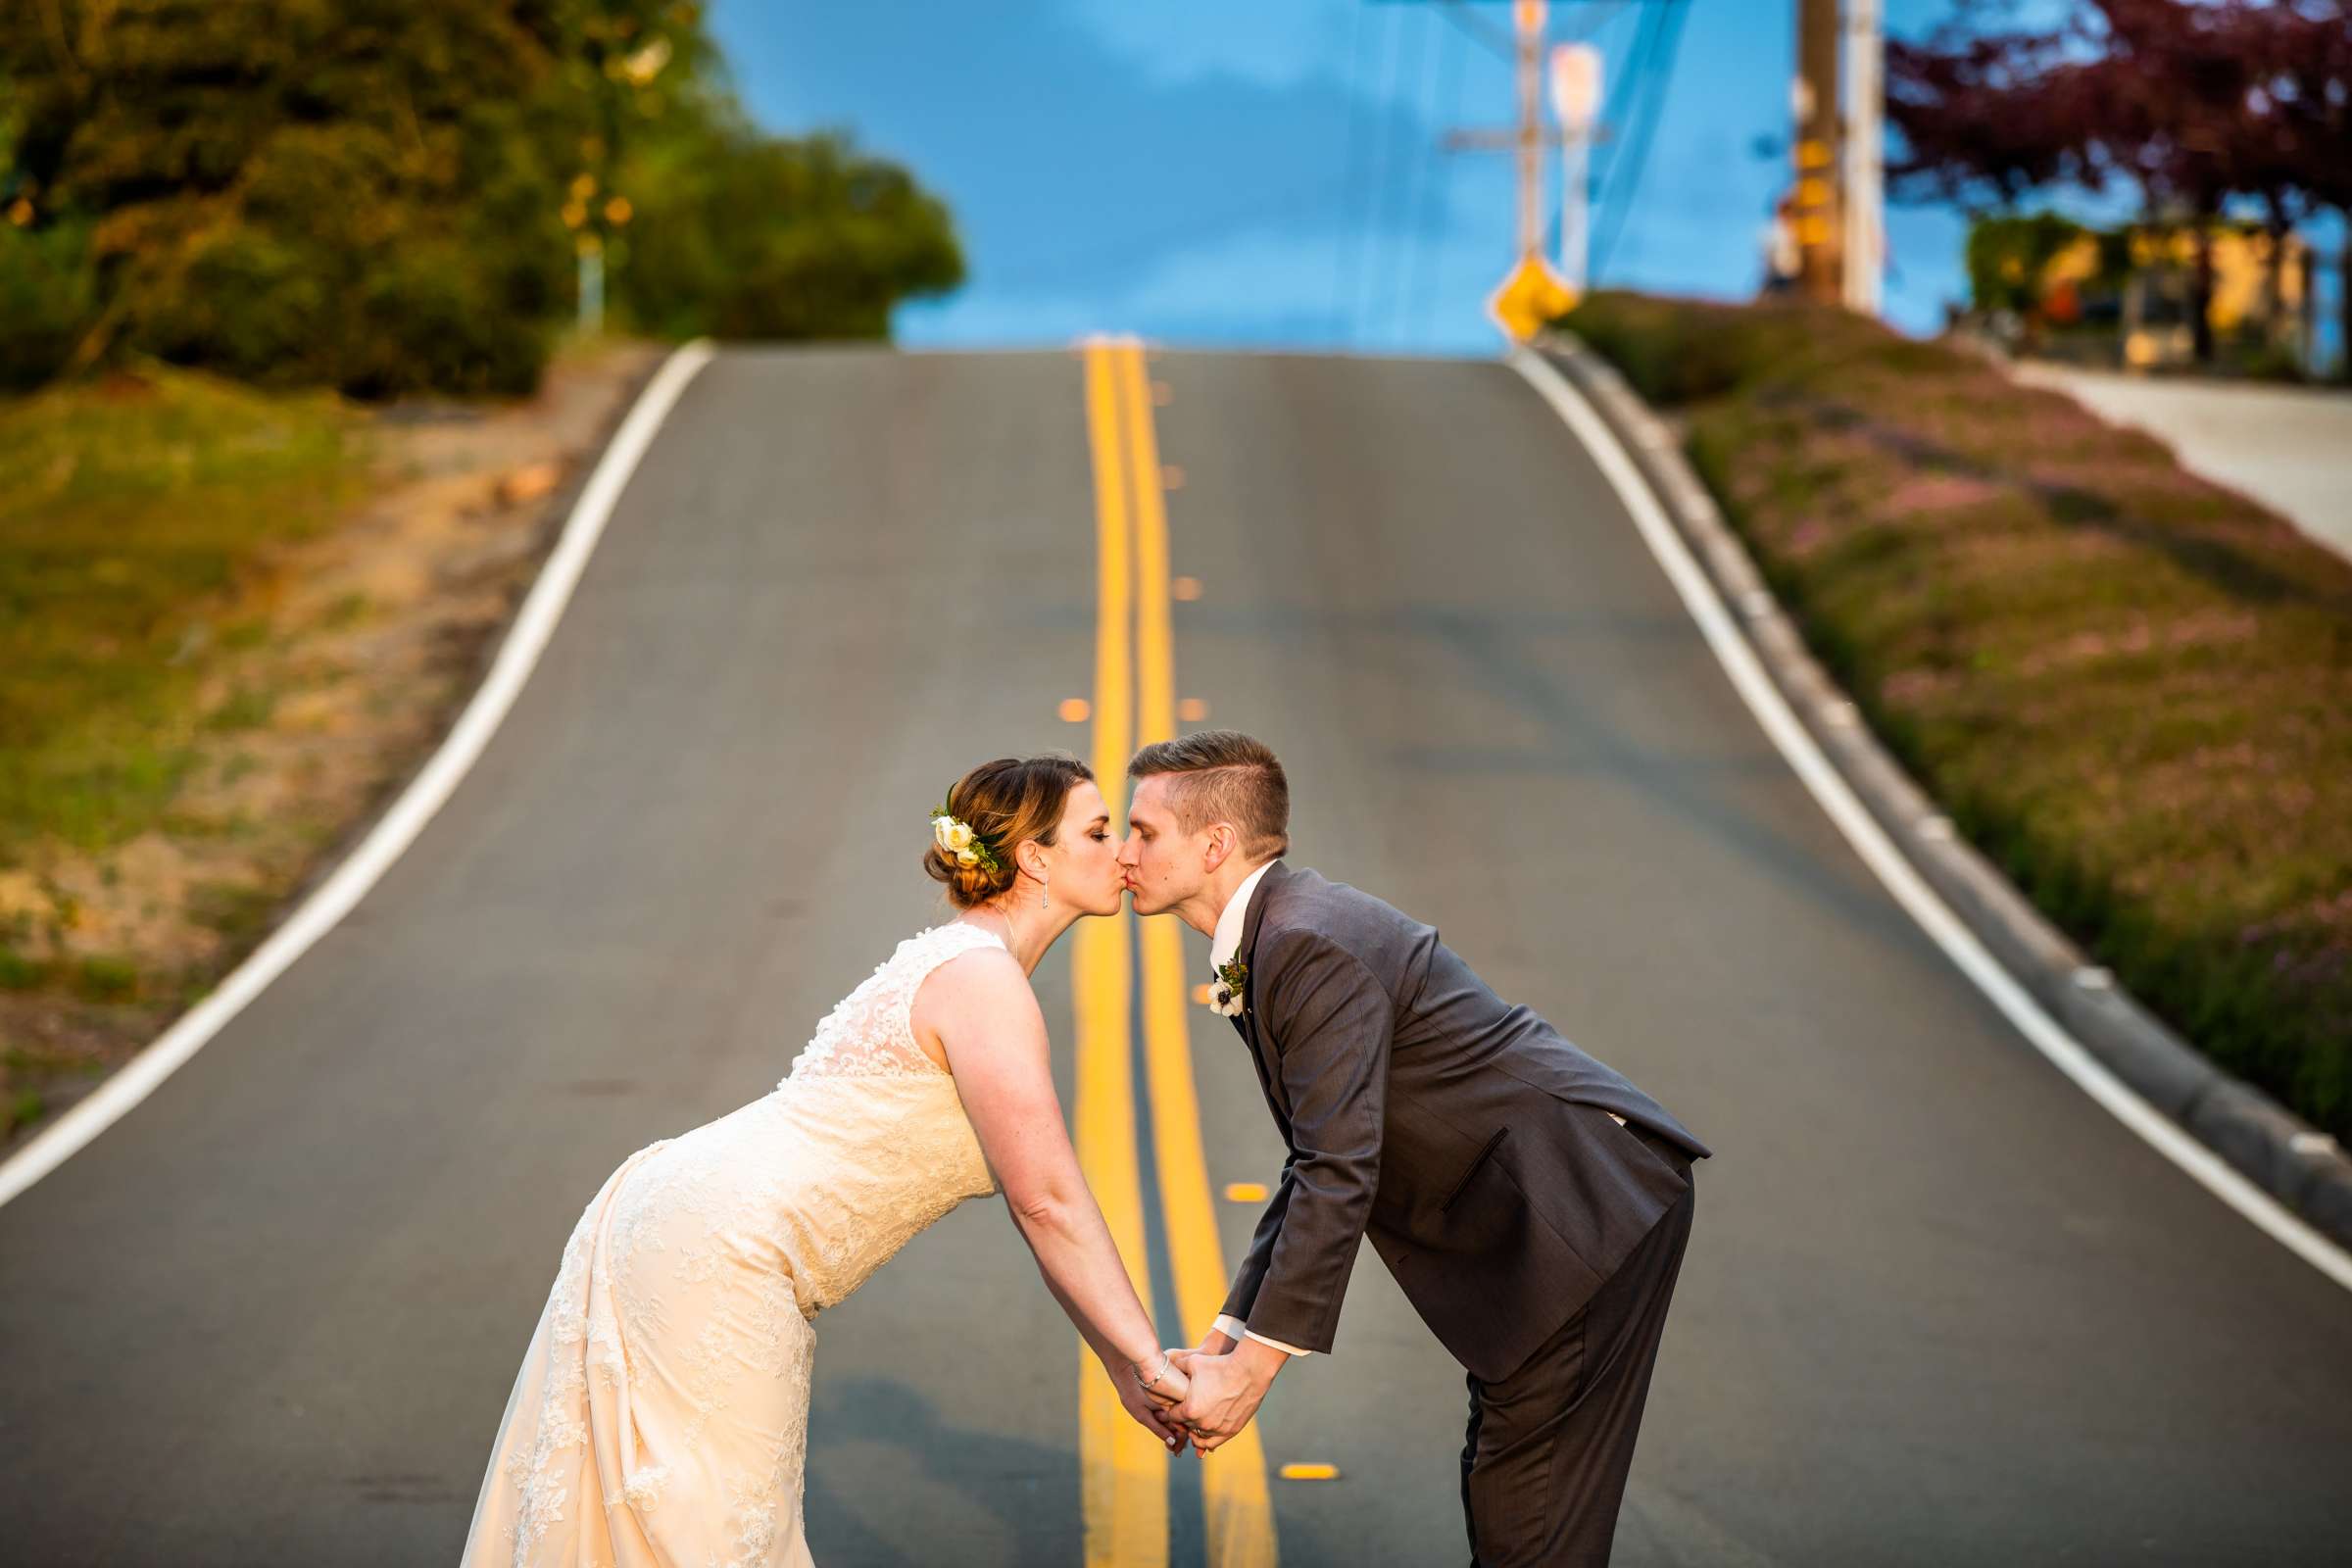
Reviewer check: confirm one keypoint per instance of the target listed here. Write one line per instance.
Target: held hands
(1150, 1390)
(1205, 1395)
(1228, 1384)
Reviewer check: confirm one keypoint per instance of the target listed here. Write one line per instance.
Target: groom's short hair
(1222, 775)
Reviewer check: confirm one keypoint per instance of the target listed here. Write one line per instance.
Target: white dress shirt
(1221, 948)
(1231, 918)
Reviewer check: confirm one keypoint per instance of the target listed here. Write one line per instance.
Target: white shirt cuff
(1234, 1328)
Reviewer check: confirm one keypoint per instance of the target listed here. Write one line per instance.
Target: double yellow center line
(1124, 1471)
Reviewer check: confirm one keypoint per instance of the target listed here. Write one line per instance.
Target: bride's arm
(985, 1017)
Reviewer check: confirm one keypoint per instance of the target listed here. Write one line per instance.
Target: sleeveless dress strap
(938, 944)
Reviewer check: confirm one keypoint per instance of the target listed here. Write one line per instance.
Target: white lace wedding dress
(662, 1414)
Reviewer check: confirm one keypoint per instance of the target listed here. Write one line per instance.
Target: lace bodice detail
(870, 1033)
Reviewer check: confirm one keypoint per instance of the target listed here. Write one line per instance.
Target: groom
(1532, 1203)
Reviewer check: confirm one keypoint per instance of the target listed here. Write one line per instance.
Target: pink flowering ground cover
(2132, 689)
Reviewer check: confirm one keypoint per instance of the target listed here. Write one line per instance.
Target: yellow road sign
(1533, 295)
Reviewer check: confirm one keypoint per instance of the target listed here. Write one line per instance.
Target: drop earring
(1041, 892)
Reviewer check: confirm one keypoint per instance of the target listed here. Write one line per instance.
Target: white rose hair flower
(960, 843)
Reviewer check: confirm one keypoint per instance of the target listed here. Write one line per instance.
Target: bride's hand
(1161, 1380)
(1148, 1412)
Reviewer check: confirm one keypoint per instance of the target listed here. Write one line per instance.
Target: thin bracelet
(1166, 1361)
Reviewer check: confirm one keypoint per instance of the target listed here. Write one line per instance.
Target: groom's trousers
(1544, 1470)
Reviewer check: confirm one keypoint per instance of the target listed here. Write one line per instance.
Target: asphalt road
(1938, 1307)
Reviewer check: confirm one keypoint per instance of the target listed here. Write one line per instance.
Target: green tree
(349, 191)
(2007, 256)
(388, 195)
(739, 234)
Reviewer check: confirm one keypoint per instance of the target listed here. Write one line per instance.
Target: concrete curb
(2300, 1166)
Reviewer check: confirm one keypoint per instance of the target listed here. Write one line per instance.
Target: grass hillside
(2130, 688)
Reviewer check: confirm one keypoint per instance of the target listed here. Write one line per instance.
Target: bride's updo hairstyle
(1005, 802)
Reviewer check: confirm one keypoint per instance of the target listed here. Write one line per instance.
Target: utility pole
(1528, 17)
(587, 244)
(1527, 138)
(1865, 156)
(1814, 100)
(589, 321)
(593, 211)
(1531, 293)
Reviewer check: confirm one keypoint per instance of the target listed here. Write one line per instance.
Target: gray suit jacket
(1462, 1133)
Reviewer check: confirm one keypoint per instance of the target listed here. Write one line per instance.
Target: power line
(1625, 90)
(1637, 96)
(1653, 110)
(1470, 25)
(1416, 176)
(1435, 194)
(1343, 271)
(1378, 178)
(1598, 14)
(1395, 184)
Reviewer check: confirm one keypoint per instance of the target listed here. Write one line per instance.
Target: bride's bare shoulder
(981, 989)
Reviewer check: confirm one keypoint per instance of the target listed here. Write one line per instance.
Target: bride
(660, 1417)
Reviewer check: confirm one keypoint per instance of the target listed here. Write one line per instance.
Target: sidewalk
(2289, 447)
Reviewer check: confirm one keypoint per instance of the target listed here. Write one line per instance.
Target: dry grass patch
(231, 623)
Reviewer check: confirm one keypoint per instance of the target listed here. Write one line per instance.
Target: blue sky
(1265, 172)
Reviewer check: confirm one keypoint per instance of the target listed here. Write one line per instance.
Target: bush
(2009, 258)
(240, 301)
(48, 300)
(430, 317)
(1681, 351)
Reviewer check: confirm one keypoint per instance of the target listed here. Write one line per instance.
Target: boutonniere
(1225, 997)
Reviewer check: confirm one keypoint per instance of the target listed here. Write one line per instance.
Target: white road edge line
(400, 825)
(1891, 866)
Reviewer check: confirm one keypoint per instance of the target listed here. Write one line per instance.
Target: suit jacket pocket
(1485, 1153)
